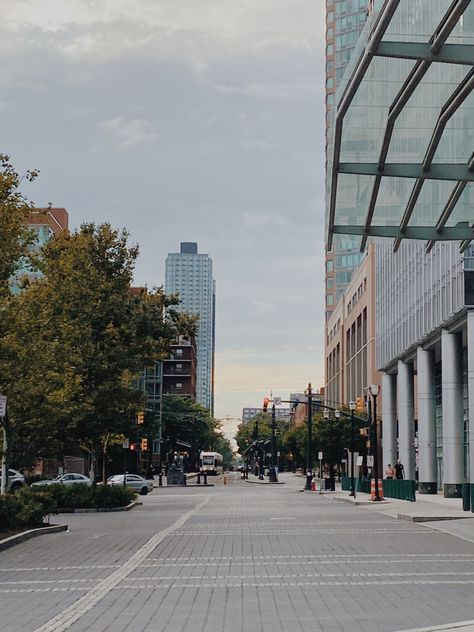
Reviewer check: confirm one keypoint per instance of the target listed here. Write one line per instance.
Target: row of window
(356, 296)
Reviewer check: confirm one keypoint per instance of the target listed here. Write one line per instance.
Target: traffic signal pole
(309, 441)
(273, 475)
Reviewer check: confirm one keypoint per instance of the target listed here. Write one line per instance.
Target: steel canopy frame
(436, 50)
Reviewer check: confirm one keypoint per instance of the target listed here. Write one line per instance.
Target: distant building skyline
(189, 274)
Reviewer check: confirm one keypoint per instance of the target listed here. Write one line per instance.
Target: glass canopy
(401, 161)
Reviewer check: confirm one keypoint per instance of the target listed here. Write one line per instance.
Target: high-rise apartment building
(189, 274)
(345, 20)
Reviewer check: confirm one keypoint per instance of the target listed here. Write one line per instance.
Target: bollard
(309, 478)
(199, 478)
(205, 478)
(160, 480)
(313, 486)
(225, 479)
(183, 480)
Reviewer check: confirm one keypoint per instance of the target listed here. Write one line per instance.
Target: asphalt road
(237, 558)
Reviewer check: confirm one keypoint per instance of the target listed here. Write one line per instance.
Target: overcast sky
(188, 120)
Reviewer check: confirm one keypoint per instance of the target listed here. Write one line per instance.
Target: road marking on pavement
(58, 568)
(70, 615)
(267, 563)
(303, 532)
(225, 586)
(315, 556)
(296, 576)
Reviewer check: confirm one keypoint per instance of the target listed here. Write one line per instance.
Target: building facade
(401, 171)
(179, 370)
(425, 348)
(345, 20)
(46, 223)
(190, 274)
(351, 338)
(248, 413)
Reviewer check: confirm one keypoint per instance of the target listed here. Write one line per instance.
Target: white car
(70, 478)
(15, 480)
(134, 481)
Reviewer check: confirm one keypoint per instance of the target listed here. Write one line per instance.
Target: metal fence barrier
(392, 487)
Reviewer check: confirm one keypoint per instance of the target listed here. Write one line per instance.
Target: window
(329, 265)
(330, 299)
(179, 385)
(179, 353)
(330, 283)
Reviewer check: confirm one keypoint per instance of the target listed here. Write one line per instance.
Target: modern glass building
(402, 168)
(345, 20)
(189, 274)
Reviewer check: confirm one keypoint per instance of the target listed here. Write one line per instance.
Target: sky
(185, 120)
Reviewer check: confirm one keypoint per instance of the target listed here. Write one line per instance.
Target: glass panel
(464, 208)
(415, 125)
(392, 199)
(366, 119)
(457, 143)
(353, 196)
(431, 202)
(464, 31)
(416, 20)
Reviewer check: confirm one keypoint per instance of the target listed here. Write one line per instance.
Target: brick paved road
(237, 558)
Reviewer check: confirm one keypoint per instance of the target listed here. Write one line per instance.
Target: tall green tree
(79, 339)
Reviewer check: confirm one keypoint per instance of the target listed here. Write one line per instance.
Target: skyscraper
(345, 20)
(190, 275)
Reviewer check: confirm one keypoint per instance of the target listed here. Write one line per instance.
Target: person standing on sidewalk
(399, 470)
(389, 471)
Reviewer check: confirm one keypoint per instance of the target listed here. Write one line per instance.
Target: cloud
(280, 91)
(130, 133)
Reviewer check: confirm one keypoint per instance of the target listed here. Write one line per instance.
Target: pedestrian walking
(389, 471)
(399, 470)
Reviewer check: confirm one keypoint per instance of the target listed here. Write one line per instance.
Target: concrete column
(453, 431)
(470, 387)
(426, 422)
(406, 418)
(389, 420)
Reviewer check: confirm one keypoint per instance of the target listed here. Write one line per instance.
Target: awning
(401, 163)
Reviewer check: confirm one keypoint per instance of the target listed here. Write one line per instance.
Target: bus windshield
(208, 460)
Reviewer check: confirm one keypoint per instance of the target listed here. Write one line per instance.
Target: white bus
(211, 462)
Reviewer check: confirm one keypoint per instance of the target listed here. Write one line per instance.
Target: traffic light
(360, 405)
(144, 445)
(140, 417)
(266, 401)
(133, 446)
(364, 432)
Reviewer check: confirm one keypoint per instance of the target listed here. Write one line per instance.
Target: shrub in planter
(89, 497)
(26, 508)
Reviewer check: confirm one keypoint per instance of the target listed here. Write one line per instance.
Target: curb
(408, 518)
(264, 482)
(460, 625)
(134, 503)
(32, 533)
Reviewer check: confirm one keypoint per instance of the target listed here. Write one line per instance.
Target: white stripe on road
(212, 585)
(326, 532)
(159, 578)
(318, 556)
(70, 615)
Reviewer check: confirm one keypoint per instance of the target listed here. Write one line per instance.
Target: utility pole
(309, 440)
(273, 475)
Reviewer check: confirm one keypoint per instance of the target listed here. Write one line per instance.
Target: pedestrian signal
(133, 446)
(266, 401)
(140, 417)
(144, 445)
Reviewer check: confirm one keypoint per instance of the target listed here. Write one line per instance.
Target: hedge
(29, 506)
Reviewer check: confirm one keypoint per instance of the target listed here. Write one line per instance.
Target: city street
(234, 558)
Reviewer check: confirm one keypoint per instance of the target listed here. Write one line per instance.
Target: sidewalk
(442, 514)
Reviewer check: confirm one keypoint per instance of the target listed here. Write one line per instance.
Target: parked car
(71, 478)
(134, 481)
(15, 480)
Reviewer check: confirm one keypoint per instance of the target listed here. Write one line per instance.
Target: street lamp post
(374, 391)
(352, 406)
(273, 475)
(337, 415)
(309, 440)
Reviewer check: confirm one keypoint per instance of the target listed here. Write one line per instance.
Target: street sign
(370, 460)
(277, 401)
(3, 405)
(126, 444)
(359, 460)
(320, 456)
